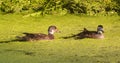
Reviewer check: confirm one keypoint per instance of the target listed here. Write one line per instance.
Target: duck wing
(35, 35)
(88, 34)
(93, 34)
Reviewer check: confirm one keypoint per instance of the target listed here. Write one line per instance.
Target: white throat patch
(51, 32)
(100, 32)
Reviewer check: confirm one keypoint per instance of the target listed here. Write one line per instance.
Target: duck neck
(51, 36)
(99, 32)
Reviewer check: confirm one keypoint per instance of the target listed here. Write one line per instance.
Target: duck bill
(58, 31)
(103, 31)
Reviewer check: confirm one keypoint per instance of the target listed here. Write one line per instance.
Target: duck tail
(26, 33)
(85, 29)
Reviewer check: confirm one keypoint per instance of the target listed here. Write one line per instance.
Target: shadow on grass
(83, 34)
(21, 51)
(75, 36)
(2, 42)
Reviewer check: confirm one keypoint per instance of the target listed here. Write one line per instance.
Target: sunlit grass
(59, 50)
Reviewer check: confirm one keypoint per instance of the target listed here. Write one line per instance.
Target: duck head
(100, 29)
(52, 29)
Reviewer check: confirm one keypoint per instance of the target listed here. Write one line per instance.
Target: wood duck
(39, 36)
(88, 34)
(92, 34)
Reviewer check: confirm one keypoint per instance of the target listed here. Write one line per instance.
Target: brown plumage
(92, 34)
(39, 36)
(88, 34)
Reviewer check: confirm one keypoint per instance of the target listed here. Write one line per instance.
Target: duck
(39, 36)
(85, 33)
(92, 34)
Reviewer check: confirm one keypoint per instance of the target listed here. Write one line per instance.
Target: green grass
(59, 50)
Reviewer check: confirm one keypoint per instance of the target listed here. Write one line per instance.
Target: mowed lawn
(59, 50)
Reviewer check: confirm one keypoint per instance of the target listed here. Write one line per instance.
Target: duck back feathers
(39, 36)
(92, 34)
